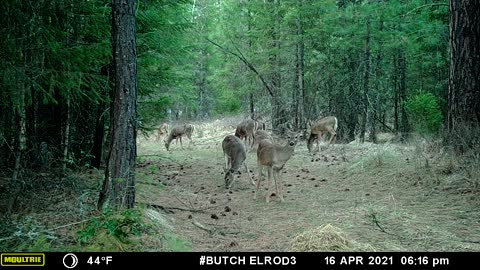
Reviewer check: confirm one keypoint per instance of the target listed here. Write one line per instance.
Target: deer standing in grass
(274, 157)
(235, 154)
(162, 131)
(177, 133)
(245, 131)
(319, 127)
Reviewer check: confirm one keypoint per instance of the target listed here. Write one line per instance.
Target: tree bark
(464, 78)
(119, 183)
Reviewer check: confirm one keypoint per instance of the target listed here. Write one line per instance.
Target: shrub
(424, 110)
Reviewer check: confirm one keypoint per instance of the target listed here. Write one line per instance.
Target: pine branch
(424, 6)
(240, 56)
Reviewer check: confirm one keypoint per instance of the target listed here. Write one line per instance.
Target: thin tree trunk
(278, 110)
(252, 106)
(366, 78)
(396, 94)
(20, 146)
(66, 135)
(300, 72)
(404, 125)
(119, 184)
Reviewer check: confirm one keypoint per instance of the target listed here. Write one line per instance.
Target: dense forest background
(377, 65)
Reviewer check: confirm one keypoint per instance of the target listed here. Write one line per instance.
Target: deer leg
(260, 169)
(333, 136)
(234, 174)
(227, 162)
(278, 184)
(246, 168)
(259, 180)
(319, 137)
(269, 180)
(181, 143)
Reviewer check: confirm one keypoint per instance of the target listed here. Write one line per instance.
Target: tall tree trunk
(366, 78)
(464, 79)
(119, 184)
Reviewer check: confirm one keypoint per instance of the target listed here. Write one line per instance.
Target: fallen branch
(203, 227)
(169, 209)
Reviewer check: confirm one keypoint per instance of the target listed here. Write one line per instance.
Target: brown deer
(177, 133)
(319, 127)
(274, 157)
(245, 131)
(261, 135)
(235, 154)
(162, 131)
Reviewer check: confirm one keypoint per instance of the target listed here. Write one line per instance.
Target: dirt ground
(385, 196)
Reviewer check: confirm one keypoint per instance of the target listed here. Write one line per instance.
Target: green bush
(120, 226)
(425, 113)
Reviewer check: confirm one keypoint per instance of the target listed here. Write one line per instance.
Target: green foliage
(118, 225)
(228, 106)
(25, 235)
(425, 112)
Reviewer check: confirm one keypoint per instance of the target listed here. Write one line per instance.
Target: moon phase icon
(70, 260)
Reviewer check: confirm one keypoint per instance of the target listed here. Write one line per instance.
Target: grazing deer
(274, 157)
(177, 133)
(162, 131)
(235, 154)
(319, 127)
(245, 130)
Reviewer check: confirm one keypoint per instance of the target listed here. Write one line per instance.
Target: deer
(245, 131)
(319, 127)
(261, 135)
(177, 133)
(235, 154)
(274, 157)
(260, 124)
(162, 131)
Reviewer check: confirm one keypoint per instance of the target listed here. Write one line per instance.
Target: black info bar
(242, 260)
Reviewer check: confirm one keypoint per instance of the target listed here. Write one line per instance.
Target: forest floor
(385, 197)
(390, 197)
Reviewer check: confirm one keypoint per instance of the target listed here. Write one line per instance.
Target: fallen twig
(169, 209)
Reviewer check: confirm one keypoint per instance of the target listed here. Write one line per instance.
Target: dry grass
(386, 197)
(326, 238)
(390, 196)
